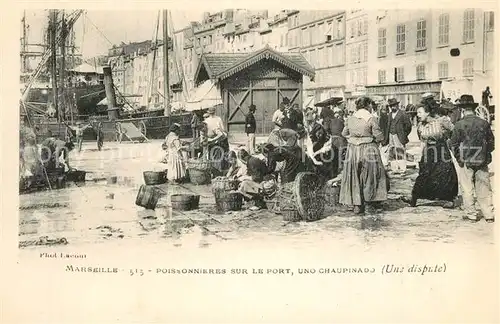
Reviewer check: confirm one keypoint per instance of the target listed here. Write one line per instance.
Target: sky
(96, 33)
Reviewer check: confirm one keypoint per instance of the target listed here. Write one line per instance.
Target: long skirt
(437, 177)
(363, 176)
(176, 169)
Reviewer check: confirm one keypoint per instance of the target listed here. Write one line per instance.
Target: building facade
(320, 36)
(357, 53)
(445, 52)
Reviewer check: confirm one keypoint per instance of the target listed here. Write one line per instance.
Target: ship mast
(53, 58)
(166, 82)
(62, 67)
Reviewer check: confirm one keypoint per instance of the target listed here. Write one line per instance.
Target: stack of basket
(227, 196)
(199, 171)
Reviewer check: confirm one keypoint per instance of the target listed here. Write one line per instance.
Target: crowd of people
(358, 149)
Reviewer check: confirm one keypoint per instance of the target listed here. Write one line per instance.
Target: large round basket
(231, 200)
(310, 196)
(221, 185)
(154, 177)
(147, 197)
(185, 201)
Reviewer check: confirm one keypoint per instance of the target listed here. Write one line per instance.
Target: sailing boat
(56, 85)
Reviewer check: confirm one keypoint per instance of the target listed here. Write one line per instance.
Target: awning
(205, 96)
(330, 102)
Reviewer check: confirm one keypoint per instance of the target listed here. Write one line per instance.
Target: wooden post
(110, 93)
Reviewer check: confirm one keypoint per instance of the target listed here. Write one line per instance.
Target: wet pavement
(102, 212)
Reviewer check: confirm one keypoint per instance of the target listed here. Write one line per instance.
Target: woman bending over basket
(363, 175)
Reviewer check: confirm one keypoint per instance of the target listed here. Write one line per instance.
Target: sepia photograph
(243, 120)
(146, 131)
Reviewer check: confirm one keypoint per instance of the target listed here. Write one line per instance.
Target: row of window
(325, 56)
(358, 27)
(358, 53)
(317, 33)
(468, 32)
(358, 77)
(443, 72)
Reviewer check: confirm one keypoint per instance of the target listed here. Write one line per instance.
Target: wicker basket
(199, 177)
(308, 188)
(154, 177)
(332, 195)
(185, 201)
(231, 200)
(221, 185)
(287, 203)
(199, 171)
(291, 215)
(200, 164)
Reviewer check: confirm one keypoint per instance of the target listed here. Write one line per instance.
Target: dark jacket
(472, 142)
(403, 127)
(334, 128)
(383, 120)
(250, 123)
(294, 163)
(257, 169)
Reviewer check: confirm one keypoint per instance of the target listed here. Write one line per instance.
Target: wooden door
(291, 94)
(265, 102)
(237, 107)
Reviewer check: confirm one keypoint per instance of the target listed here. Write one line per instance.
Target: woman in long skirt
(363, 175)
(437, 177)
(176, 168)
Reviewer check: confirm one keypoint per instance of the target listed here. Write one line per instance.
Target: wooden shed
(263, 78)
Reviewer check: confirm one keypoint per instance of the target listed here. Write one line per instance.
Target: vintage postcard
(232, 163)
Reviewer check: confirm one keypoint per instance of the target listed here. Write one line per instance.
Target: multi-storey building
(320, 36)
(471, 32)
(357, 53)
(419, 51)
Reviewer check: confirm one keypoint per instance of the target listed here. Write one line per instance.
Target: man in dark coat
(250, 127)
(396, 135)
(472, 143)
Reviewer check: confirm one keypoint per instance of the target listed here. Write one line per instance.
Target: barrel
(200, 171)
(147, 197)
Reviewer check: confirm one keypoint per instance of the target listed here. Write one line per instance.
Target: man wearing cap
(396, 135)
(472, 143)
(250, 127)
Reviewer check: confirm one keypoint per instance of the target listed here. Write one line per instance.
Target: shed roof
(223, 65)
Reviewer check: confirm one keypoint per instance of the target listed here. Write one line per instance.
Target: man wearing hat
(396, 135)
(472, 143)
(250, 127)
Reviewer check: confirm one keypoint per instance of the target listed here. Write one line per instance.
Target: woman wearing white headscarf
(363, 175)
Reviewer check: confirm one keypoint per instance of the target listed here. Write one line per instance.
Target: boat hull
(156, 127)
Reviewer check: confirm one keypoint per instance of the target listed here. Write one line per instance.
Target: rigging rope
(98, 30)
